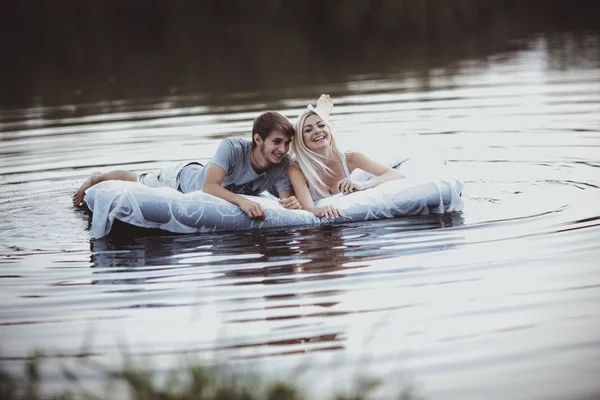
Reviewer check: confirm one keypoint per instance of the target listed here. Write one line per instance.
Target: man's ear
(257, 139)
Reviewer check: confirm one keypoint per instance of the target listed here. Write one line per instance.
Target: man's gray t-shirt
(233, 155)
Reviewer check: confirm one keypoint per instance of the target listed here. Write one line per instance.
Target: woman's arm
(298, 181)
(382, 173)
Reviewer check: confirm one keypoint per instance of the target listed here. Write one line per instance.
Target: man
(238, 167)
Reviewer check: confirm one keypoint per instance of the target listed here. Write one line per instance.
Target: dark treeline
(63, 52)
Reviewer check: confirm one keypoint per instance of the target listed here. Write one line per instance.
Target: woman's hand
(348, 185)
(328, 211)
(324, 105)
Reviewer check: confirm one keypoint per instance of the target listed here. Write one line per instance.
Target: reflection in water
(279, 252)
(289, 258)
(176, 53)
(508, 288)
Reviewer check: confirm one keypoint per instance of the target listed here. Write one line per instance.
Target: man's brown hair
(269, 121)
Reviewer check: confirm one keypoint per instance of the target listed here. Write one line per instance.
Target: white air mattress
(422, 192)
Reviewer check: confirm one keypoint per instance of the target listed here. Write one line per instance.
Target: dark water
(499, 301)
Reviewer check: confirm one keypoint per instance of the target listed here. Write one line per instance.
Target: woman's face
(315, 133)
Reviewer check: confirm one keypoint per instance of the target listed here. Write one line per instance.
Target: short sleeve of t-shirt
(226, 155)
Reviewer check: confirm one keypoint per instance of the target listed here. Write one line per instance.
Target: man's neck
(259, 163)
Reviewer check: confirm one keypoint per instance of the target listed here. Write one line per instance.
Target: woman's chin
(317, 146)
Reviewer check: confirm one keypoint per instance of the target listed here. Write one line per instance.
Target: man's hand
(291, 203)
(348, 185)
(252, 209)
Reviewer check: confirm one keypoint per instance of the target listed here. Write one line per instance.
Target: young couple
(249, 167)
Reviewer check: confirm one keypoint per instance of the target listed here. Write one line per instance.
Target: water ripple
(511, 284)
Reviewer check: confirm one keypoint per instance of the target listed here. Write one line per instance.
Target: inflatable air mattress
(173, 211)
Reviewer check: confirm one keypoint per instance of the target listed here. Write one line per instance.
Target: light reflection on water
(506, 291)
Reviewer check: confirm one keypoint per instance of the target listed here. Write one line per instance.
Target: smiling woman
(321, 169)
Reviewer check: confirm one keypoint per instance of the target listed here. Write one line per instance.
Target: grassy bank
(193, 382)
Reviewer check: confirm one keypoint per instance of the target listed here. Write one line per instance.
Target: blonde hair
(310, 162)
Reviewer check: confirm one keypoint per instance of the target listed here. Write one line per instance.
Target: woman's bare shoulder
(353, 158)
(295, 170)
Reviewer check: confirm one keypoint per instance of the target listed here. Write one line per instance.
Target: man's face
(275, 146)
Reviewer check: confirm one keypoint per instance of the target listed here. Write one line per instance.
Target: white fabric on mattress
(424, 191)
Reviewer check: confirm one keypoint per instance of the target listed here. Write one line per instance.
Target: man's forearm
(221, 192)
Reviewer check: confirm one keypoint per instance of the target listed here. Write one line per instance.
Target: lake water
(499, 301)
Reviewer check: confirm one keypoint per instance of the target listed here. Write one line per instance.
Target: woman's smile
(315, 131)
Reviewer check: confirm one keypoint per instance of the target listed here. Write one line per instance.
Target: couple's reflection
(292, 259)
(277, 256)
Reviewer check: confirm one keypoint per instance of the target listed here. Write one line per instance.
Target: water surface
(499, 301)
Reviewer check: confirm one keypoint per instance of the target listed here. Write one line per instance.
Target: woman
(321, 169)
